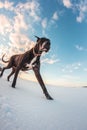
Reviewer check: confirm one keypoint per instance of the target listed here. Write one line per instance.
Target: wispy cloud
(71, 67)
(50, 61)
(19, 23)
(67, 3)
(80, 18)
(80, 48)
(79, 8)
(49, 23)
(7, 5)
(31, 8)
(5, 24)
(55, 16)
(44, 23)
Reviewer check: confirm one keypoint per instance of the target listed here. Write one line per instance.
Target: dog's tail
(4, 60)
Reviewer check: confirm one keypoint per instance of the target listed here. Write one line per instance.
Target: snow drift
(26, 108)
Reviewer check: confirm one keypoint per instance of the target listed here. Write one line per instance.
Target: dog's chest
(32, 63)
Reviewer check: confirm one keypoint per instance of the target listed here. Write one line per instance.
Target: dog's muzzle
(45, 46)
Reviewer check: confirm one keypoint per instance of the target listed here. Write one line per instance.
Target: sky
(64, 22)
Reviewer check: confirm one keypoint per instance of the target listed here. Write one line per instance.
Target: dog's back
(15, 60)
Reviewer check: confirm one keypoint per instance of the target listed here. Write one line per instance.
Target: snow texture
(26, 108)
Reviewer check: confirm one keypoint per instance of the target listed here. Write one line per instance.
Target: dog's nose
(48, 47)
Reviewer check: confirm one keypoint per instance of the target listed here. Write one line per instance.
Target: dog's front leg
(15, 77)
(39, 78)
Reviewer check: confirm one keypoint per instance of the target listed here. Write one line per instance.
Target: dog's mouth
(44, 50)
(45, 47)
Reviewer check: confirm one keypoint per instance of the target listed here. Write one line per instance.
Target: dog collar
(36, 54)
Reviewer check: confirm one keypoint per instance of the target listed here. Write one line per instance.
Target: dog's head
(43, 43)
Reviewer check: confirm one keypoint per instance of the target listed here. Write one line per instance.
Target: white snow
(26, 108)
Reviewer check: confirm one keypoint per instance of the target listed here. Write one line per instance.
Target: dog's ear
(37, 38)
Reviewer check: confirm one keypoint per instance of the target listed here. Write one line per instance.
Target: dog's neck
(36, 54)
(36, 50)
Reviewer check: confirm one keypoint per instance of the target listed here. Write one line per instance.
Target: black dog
(29, 60)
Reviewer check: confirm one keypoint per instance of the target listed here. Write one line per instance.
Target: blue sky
(64, 22)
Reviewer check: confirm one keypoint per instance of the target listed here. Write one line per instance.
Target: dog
(29, 60)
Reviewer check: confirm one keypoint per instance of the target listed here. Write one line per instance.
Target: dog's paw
(49, 97)
(0, 75)
(13, 86)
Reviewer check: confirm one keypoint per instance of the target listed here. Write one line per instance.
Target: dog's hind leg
(7, 67)
(0, 69)
(12, 72)
(15, 77)
(3, 71)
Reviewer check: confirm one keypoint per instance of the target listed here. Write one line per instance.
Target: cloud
(67, 3)
(81, 7)
(80, 18)
(5, 25)
(31, 8)
(71, 67)
(44, 23)
(55, 16)
(18, 39)
(7, 5)
(53, 20)
(80, 48)
(49, 23)
(50, 60)
(19, 23)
